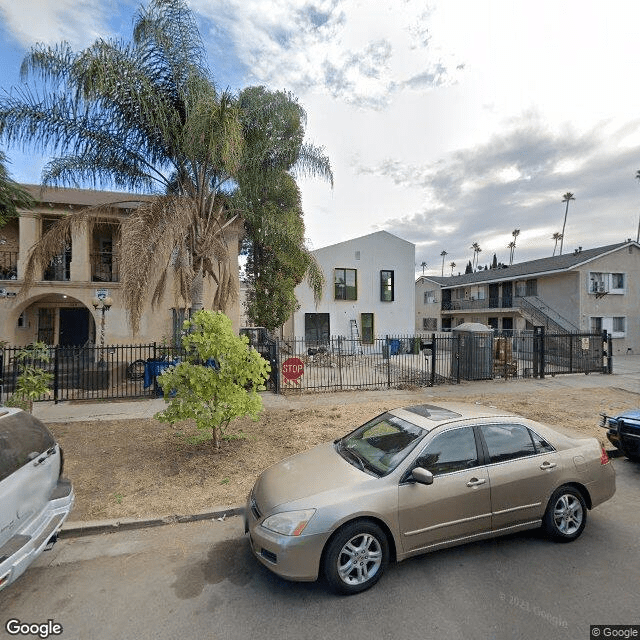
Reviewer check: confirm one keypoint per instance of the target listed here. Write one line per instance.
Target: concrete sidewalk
(626, 376)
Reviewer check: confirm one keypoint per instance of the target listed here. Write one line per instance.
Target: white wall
(368, 255)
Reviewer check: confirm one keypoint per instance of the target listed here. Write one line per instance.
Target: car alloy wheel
(566, 514)
(356, 557)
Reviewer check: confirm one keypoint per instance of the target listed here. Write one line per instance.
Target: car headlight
(289, 523)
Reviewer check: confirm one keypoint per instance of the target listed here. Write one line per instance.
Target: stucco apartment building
(368, 291)
(58, 309)
(586, 290)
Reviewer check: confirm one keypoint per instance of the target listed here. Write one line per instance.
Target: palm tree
(515, 233)
(146, 116)
(567, 197)
(556, 236)
(423, 264)
(511, 246)
(443, 253)
(476, 249)
(12, 195)
(453, 264)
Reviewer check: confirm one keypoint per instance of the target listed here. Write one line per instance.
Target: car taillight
(604, 458)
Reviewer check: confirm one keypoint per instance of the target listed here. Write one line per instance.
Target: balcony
(486, 303)
(105, 267)
(59, 269)
(8, 265)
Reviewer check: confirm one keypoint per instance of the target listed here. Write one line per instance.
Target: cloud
(79, 22)
(361, 54)
(516, 180)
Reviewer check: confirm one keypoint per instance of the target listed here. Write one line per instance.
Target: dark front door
(74, 327)
(507, 294)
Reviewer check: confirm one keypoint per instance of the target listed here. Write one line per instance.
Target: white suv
(34, 497)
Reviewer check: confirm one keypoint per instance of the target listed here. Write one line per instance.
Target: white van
(34, 497)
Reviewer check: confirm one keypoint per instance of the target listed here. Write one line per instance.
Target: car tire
(356, 557)
(566, 515)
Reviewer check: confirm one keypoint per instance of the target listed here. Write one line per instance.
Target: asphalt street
(199, 580)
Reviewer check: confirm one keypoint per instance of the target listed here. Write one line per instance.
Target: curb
(93, 527)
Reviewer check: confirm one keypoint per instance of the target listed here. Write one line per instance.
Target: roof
(84, 197)
(391, 236)
(541, 266)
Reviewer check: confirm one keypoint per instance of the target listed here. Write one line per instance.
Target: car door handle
(474, 482)
(548, 465)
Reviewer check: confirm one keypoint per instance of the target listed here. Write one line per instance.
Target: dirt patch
(142, 468)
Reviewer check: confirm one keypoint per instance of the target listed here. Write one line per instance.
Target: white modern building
(369, 291)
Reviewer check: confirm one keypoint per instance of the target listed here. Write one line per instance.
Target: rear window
(20, 436)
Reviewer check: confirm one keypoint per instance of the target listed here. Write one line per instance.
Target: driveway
(198, 580)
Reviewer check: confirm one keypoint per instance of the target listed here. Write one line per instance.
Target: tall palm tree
(144, 116)
(557, 236)
(453, 264)
(476, 249)
(567, 197)
(515, 233)
(511, 246)
(423, 264)
(443, 253)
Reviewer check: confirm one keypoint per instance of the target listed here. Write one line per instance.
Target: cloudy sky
(446, 122)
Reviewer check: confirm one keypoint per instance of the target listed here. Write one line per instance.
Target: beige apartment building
(59, 308)
(586, 290)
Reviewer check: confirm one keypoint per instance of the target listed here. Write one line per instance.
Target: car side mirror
(422, 476)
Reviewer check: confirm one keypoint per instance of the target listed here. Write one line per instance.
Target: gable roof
(369, 236)
(539, 267)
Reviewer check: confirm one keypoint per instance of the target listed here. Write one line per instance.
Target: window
(453, 450)
(386, 286)
(21, 436)
(507, 441)
(430, 297)
(345, 284)
(430, 324)
(316, 328)
(618, 326)
(600, 282)
(366, 320)
(541, 445)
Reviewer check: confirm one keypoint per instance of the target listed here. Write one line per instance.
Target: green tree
(218, 381)
(275, 153)
(144, 116)
(443, 253)
(12, 195)
(556, 238)
(34, 380)
(567, 197)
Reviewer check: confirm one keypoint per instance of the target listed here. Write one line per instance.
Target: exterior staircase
(541, 314)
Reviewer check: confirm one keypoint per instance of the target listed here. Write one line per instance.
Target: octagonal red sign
(292, 368)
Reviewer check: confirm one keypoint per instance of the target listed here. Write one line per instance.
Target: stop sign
(292, 369)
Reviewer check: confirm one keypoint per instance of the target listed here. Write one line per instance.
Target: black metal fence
(339, 363)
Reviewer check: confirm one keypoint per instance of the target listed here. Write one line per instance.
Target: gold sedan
(418, 479)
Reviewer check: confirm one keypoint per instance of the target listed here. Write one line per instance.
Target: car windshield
(380, 445)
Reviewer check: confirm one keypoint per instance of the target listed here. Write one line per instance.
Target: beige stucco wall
(79, 291)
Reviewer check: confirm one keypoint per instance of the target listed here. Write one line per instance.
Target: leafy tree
(145, 116)
(556, 237)
(218, 381)
(511, 246)
(443, 253)
(12, 195)
(33, 380)
(494, 262)
(469, 267)
(278, 260)
(567, 197)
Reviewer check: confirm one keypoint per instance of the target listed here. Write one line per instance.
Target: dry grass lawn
(142, 468)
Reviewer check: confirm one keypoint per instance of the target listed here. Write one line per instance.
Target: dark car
(623, 431)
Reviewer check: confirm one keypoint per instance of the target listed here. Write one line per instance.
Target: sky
(446, 123)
